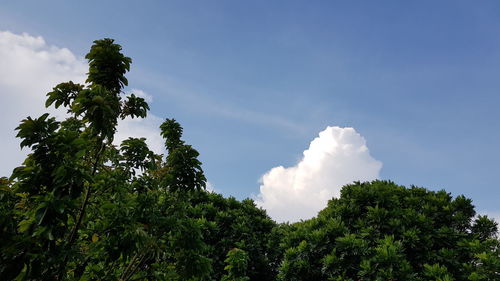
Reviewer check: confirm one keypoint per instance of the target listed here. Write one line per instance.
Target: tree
(237, 224)
(382, 231)
(237, 263)
(81, 208)
(77, 206)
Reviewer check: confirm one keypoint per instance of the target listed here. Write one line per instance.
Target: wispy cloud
(202, 103)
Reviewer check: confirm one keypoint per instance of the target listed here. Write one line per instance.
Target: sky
(286, 101)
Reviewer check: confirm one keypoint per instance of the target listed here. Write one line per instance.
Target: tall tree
(80, 207)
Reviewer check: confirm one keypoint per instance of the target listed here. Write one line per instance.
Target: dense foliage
(81, 208)
(381, 231)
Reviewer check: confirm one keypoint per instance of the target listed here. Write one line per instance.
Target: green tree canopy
(81, 208)
(382, 231)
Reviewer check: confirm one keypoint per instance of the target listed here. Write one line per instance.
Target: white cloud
(29, 69)
(210, 188)
(338, 156)
(142, 128)
(140, 93)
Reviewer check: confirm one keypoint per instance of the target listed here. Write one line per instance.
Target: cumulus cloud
(338, 156)
(29, 69)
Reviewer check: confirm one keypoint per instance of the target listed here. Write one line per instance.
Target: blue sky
(253, 82)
